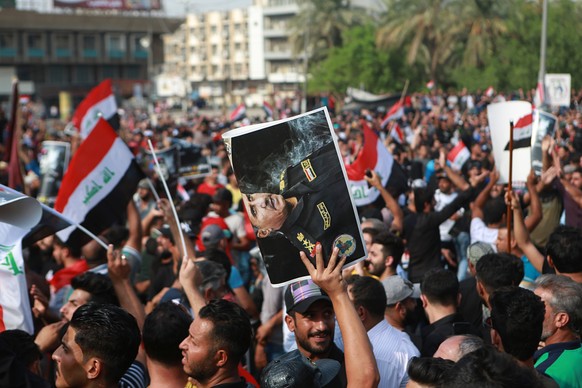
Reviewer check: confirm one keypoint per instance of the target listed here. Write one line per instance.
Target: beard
(319, 348)
(202, 371)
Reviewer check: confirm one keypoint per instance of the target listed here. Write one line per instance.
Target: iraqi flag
(490, 91)
(397, 134)
(395, 112)
(522, 132)
(238, 113)
(430, 85)
(100, 102)
(374, 156)
(268, 109)
(458, 155)
(100, 181)
(18, 214)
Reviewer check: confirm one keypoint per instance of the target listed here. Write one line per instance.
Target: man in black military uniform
(313, 206)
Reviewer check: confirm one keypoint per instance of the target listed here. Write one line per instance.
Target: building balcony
(8, 52)
(278, 55)
(116, 54)
(275, 33)
(35, 53)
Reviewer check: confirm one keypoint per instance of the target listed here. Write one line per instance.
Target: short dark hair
(440, 286)
(422, 196)
(494, 210)
(392, 245)
(488, 368)
(109, 333)
(98, 285)
(565, 248)
(368, 293)
(22, 345)
(496, 270)
(231, 327)
(517, 315)
(74, 249)
(163, 331)
(428, 370)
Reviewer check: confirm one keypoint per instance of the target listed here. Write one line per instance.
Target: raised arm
(522, 235)
(484, 195)
(134, 226)
(361, 368)
(190, 279)
(391, 204)
(165, 207)
(535, 215)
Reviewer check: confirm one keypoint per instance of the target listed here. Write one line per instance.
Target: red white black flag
(100, 102)
(100, 181)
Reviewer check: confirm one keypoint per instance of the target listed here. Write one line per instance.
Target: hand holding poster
(543, 124)
(295, 192)
(500, 115)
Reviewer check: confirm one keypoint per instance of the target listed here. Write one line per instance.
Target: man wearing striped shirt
(392, 348)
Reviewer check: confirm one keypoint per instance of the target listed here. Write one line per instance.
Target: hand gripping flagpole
(153, 189)
(509, 186)
(62, 217)
(169, 196)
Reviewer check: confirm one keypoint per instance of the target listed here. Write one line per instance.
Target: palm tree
(426, 30)
(319, 25)
(485, 21)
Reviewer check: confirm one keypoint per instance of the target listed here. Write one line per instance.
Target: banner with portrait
(543, 124)
(296, 192)
(54, 159)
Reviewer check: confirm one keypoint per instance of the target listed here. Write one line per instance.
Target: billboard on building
(126, 5)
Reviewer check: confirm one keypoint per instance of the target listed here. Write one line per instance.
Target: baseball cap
(211, 235)
(397, 289)
(474, 164)
(300, 295)
(295, 370)
(477, 250)
(442, 175)
(143, 184)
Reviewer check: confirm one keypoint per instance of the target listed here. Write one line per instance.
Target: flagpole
(62, 217)
(509, 186)
(169, 196)
(153, 189)
(404, 90)
(543, 39)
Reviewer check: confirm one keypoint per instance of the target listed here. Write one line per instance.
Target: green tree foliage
(360, 63)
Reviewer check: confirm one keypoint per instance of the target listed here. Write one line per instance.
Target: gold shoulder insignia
(324, 214)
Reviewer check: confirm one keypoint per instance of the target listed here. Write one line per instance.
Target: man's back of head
(517, 317)
(564, 249)
(497, 270)
(163, 331)
(486, 367)
(367, 292)
(440, 287)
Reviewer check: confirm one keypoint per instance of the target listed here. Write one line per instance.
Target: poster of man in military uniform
(295, 192)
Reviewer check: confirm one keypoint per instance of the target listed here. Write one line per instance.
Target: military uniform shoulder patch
(308, 170)
(346, 244)
(324, 215)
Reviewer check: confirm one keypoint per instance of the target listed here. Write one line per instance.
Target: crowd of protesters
(447, 295)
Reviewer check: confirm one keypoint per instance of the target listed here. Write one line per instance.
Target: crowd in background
(447, 295)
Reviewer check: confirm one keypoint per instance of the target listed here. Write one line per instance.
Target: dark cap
(295, 370)
(300, 295)
(442, 175)
(211, 235)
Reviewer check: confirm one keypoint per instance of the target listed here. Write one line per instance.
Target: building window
(58, 75)
(89, 46)
(8, 47)
(34, 45)
(62, 46)
(111, 72)
(140, 46)
(115, 45)
(84, 74)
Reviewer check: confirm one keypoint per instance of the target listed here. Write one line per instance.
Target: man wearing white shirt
(392, 348)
